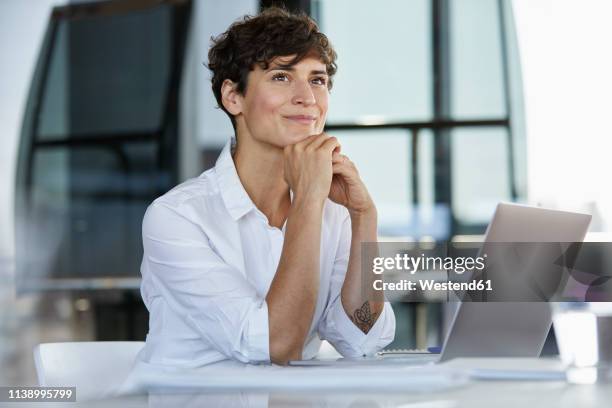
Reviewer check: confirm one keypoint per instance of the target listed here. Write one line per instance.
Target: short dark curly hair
(275, 32)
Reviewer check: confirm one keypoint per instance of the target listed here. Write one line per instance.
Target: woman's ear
(231, 98)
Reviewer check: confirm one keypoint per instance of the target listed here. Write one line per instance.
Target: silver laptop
(502, 329)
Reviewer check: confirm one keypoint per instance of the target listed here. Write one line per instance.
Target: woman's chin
(297, 137)
(291, 138)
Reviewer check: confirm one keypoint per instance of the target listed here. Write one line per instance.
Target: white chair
(96, 368)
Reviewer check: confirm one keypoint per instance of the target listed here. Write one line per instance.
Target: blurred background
(447, 107)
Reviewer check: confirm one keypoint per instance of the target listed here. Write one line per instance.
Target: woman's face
(283, 105)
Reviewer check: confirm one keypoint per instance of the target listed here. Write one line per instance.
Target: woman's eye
(320, 81)
(280, 77)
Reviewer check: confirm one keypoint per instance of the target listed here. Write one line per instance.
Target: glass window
(477, 87)
(432, 219)
(384, 59)
(383, 160)
(96, 87)
(104, 74)
(425, 169)
(86, 209)
(480, 173)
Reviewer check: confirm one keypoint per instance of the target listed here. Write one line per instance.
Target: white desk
(472, 393)
(479, 394)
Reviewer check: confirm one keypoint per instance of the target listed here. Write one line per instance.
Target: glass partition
(99, 141)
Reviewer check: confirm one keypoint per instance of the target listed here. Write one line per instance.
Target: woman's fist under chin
(308, 166)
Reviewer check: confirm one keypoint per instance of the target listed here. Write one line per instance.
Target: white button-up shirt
(209, 259)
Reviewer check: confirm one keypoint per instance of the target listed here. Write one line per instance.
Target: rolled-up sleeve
(336, 326)
(214, 298)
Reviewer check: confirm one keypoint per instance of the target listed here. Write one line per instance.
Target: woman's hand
(347, 189)
(308, 167)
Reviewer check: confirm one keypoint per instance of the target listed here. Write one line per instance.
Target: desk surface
(477, 394)
(480, 394)
(471, 391)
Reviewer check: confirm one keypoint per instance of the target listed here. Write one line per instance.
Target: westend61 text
(432, 285)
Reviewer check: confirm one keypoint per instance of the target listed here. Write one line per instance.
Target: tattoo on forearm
(364, 318)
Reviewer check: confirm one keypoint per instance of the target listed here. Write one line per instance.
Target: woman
(258, 259)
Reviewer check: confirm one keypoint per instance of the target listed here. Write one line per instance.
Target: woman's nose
(303, 94)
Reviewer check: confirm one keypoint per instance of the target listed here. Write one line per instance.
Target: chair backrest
(96, 368)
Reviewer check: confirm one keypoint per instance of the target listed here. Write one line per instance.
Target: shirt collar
(235, 197)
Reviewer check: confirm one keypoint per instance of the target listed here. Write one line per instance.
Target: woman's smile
(302, 119)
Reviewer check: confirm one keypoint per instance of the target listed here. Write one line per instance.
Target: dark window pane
(87, 206)
(108, 75)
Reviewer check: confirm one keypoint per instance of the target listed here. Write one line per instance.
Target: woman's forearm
(293, 293)
(360, 301)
